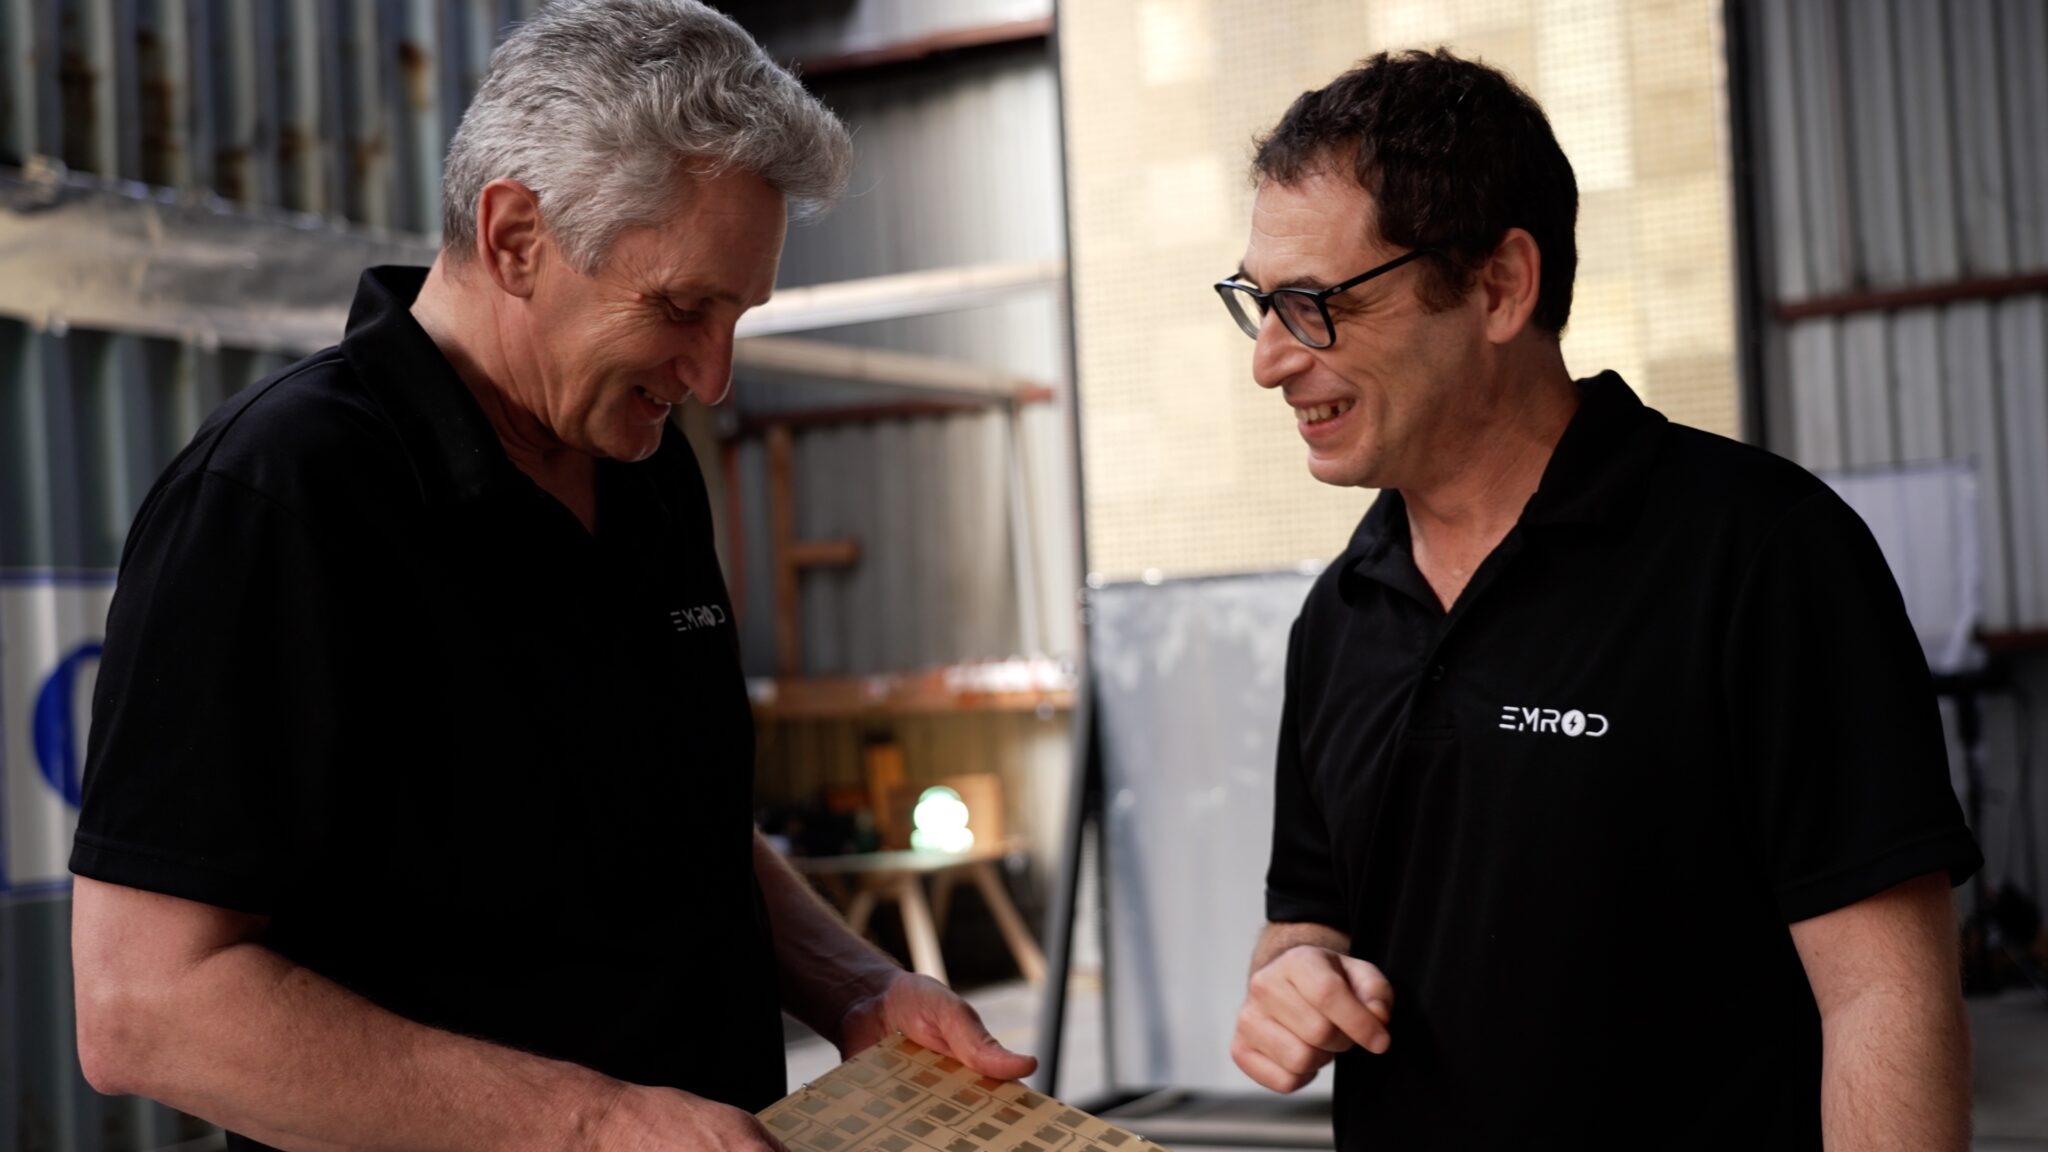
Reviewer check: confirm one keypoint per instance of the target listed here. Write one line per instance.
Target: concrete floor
(2010, 1033)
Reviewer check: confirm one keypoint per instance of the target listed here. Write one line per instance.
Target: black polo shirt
(490, 770)
(1677, 709)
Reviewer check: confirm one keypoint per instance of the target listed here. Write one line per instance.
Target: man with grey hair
(417, 807)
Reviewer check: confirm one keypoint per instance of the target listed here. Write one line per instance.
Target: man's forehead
(1307, 234)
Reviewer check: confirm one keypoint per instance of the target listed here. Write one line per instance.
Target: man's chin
(628, 446)
(1340, 473)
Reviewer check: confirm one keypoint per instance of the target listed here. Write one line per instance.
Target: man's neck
(460, 322)
(1456, 522)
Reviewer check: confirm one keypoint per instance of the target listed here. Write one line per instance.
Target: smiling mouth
(651, 398)
(1322, 413)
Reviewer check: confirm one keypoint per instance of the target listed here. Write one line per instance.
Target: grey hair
(593, 104)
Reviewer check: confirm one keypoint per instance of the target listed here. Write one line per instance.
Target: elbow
(111, 1034)
(127, 1021)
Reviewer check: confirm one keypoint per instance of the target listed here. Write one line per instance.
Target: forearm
(1896, 1074)
(1276, 938)
(823, 968)
(250, 1041)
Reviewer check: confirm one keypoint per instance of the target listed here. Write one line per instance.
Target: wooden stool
(899, 876)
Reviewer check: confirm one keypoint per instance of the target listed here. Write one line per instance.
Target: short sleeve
(1301, 878)
(217, 697)
(1841, 765)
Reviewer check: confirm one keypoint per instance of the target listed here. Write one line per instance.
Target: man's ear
(508, 235)
(1509, 285)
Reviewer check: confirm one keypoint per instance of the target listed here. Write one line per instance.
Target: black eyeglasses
(1305, 311)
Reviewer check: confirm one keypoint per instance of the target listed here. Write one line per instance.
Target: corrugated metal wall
(339, 108)
(959, 165)
(1901, 204)
(1906, 145)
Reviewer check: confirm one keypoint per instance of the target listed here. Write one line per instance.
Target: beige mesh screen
(1190, 466)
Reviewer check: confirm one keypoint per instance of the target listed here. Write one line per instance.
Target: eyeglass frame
(1321, 297)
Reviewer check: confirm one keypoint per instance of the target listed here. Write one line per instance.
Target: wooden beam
(841, 553)
(789, 646)
(935, 691)
(792, 556)
(905, 370)
(903, 294)
(1892, 299)
(736, 528)
(750, 426)
(2016, 643)
(920, 49)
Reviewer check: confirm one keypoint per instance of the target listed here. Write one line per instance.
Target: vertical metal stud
(89, 73)
(164, 113)
(1927, 144)
(302, 152)
(413, 118)
(369, 140)
(1980, 138)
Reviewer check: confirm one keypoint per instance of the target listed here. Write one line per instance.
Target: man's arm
(851, 994)
(1895, 1070)
(179, 1002)
(1307, 1001)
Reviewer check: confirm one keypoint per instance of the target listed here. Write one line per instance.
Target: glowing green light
(939, 821)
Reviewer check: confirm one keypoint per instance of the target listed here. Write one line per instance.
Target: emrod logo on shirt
(1514, 718)
(691, 619)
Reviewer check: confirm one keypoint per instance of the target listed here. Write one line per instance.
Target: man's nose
(1277, 357)
(706, 370)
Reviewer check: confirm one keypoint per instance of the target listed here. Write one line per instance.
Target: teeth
(1321, 412)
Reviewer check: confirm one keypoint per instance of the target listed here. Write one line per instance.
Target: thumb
(1370, 985)
(973, 1046)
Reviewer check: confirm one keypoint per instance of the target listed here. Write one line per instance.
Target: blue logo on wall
(56, 725)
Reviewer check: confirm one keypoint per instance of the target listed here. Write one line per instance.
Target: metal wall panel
(1980, 139)
(1869, 438)
(1875, 144)
(1974, 435)
(1907, 145)
(1816, 394)
(297, 105)
(1822, 140)
(958, 164)
(1916, 357)
(2023, 39)
(1946, 107)
(2023, 375)
(1926, 135)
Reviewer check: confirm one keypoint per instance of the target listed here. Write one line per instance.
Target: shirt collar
(1596, 477)
(1596, 474)
(455, 452)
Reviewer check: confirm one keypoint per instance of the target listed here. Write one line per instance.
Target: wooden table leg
(942, 898)
(917, 928)
(1029, 959)
(857, 913)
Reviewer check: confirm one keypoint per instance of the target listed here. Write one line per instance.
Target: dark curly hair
(1453, 154)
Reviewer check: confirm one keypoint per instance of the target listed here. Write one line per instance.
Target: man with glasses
(1611, 800)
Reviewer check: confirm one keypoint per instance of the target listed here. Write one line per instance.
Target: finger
(1371, 986)
(1328, 993)
(1271, 1039)
(969, 1042)
(1261, 1068)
